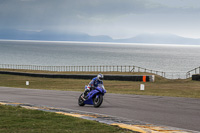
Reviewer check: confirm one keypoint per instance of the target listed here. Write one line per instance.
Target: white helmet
(100, 77)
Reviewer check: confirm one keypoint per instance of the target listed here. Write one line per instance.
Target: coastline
(107, 43)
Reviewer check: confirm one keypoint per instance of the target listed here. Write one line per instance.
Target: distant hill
(160, 39)
(48, 35)
(51, 36)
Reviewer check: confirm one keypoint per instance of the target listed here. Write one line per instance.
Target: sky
(115, 18)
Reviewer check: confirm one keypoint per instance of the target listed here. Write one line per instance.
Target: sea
(161, 57)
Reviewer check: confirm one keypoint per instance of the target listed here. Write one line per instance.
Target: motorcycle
(94, 97)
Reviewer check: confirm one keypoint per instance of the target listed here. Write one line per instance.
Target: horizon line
(104, 43)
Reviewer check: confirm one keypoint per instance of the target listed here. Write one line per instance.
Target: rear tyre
(81, 101)
(98, 100)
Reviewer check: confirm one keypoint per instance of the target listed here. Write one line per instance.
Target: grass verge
(20, 120)
(162, 86)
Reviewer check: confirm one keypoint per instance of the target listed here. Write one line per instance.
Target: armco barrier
(196, 77)
(146, 78)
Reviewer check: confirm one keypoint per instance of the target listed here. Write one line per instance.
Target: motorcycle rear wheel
(98, 101)
(81, 101)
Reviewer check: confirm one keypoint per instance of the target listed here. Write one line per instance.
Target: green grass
(17, 119)
(162, 86)
(20, 120)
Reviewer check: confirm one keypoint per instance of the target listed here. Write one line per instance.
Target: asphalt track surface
(169, 111)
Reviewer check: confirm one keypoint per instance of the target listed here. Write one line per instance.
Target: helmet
(100, 77)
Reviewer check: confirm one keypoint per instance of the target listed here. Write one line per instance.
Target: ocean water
(161, 57)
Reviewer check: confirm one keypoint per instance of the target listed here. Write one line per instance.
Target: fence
(169, 75)
(83, 68)
(175, 75)
(193, 71)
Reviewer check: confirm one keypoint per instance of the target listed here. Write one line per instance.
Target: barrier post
(27, 82)
(144, 78)
(133, 68)
(142, 87)
(199, 70)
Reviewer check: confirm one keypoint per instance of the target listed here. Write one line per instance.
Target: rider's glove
(88, 88)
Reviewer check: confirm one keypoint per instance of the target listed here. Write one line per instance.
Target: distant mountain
(48, 35)
(160, 39)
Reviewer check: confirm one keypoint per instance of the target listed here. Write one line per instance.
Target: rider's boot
(84, 96)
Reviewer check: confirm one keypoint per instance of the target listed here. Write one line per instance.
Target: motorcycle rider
(93, 84)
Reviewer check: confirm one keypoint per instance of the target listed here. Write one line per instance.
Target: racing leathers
(92, 85)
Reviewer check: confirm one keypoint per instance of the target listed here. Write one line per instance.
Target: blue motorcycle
(94, 97)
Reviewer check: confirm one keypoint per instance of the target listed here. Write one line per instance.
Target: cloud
(99, 16)
(123, 7)
(26, 0)
(30, 30)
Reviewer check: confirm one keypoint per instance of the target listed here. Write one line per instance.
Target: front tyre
(81, 101)
(97, 100)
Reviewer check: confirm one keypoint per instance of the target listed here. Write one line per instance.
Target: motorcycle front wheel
(81, 101)
(97, 100)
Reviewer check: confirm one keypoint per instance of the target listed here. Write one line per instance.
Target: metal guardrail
(83, 68)
(193, 71)
(169, 75)
(175, 75)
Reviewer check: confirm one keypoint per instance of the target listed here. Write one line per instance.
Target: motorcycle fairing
(91, 94)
